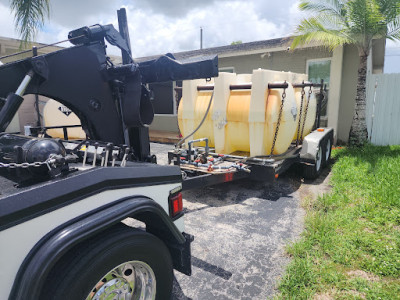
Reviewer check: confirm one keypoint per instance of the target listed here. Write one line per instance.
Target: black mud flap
(181, 255)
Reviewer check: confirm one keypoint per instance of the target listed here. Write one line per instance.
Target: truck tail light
(175, 204)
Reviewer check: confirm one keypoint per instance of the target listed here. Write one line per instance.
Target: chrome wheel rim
(130, 280)
(328, 150)
(318, 159)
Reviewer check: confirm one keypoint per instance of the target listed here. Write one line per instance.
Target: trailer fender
(311, 143)
(43, 256)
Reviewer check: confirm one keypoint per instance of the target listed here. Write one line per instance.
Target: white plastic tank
(57, 114)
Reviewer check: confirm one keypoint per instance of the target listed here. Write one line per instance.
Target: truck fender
(43, 256)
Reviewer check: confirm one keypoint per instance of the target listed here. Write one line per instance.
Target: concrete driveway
(240, 230)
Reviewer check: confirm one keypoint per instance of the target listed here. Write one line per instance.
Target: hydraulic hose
(197, 128)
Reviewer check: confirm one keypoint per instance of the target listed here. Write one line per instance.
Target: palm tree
(29, 17)
(335, 23)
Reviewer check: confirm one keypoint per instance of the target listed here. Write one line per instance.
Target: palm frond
(365, 17)
(393, 29)
(329, 21)
(336, 22)
(29, 17)
(313, 30)
(319, 6)
(332, 7)
(389, 8)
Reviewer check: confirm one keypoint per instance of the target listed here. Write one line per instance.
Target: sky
(162, 26)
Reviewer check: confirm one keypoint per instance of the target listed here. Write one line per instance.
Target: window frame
(323, 117)
(317, 60)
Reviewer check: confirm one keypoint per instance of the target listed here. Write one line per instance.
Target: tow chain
(48, 162)
(305, 113)
(279, 121)
(301, 111)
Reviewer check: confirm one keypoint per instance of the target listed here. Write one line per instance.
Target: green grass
(350, 248)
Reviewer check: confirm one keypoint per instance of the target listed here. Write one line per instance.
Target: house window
(318, 69)
(227, 69)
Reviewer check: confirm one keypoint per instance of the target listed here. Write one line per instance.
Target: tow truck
(64, 204)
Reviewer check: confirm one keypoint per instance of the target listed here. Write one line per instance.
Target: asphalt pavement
(241, 230)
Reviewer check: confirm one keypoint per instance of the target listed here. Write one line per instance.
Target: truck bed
(21, 203)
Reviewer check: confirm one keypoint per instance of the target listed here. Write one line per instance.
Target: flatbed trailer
(313, 154)
(202, 166)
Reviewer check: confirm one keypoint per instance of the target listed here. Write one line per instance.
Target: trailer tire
(312, 171)
(327, 150)
(111, 263)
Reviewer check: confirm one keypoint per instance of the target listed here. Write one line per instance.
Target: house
(338, 68)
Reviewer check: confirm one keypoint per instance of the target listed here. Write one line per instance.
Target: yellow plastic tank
(237, 126)
(56, 114)
(202, 102)
(310, 101)
(243, 119)
(264, 113)
(287, 122)
(192, 108)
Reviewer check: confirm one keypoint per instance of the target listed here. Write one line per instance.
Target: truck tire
(121, 261)
(312, 171)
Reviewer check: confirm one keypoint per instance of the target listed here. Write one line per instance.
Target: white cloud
(78, 13)
(225, 23)
(176, 8)
(158, 27)
(168, 26)
(7, 28)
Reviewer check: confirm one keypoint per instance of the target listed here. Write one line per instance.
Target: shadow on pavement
(213, 269)
(238, 191)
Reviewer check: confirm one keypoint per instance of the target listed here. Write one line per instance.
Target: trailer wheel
(122, 263)
(327, 150)
(312, 171)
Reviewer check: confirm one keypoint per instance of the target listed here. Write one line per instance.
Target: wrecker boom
(112, 101)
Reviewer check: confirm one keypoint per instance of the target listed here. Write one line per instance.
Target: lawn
(350, 248)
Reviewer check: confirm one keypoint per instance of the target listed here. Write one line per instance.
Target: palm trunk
(358, 131)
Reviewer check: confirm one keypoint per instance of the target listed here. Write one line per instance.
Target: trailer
(203, 166)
